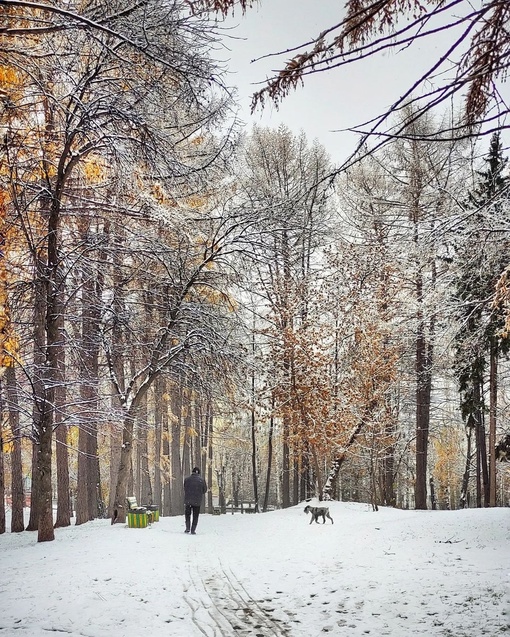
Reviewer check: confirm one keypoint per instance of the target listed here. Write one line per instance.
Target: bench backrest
(131, 500)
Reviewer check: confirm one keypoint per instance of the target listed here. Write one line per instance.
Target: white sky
(392, 573)
(331, 100)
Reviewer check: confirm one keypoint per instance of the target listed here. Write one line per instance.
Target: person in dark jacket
(194, 488)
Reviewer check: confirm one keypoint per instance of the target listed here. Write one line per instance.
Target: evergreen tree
(481, 257)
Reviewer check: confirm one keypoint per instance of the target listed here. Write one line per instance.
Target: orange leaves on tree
(8, 341)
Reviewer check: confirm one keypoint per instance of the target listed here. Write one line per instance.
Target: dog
(317, 512)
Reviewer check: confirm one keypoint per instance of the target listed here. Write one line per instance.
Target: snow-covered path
(392, 573)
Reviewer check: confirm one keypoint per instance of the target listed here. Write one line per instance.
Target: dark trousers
(188, 510)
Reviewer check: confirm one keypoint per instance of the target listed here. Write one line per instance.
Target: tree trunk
(177, 491)
(146, 496)
(82, 498)
(423, 387)
(209, 421)
(45, 528)
(253, 435)
(285, 464)
(269, 462)
(17, 519)
(2, 467)
(64, 512)
(493, 393)
(124, 469)
(482, 467)
(159, 406)
(38, 386)
(463, 502)
(63, 517)
(33, 520)
(330, 485)
(167, 490)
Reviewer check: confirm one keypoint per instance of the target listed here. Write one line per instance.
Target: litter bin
(154, 510)
(137, 519)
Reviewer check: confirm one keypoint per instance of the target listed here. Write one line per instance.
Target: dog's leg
(330, 518)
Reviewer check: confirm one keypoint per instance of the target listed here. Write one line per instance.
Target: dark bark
(209, 424)
(464, 491)
(18, 498)
(146, 495)
(482, 471)
(254, 437)
(38, 386)
(159, 392)
(422, 409)
(82, 500)
(63, 517)
(269, 462)
(177, 491)
(33, 519)
(493, 401)
(64, 512)
(285, 464)
(121, 490)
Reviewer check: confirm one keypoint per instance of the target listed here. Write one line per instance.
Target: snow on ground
(389, 572)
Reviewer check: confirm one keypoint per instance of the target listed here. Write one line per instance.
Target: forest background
(178, 290)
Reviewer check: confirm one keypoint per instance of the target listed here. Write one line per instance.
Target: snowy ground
(393, 572)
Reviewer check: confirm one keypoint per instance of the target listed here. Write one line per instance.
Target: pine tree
(481, 258)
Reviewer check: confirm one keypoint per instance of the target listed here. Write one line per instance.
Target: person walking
(194, 488)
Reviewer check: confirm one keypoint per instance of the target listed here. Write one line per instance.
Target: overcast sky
(329, 101)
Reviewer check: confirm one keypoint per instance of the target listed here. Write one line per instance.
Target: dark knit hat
(196, 470)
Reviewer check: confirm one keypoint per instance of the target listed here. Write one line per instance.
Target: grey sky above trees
(342, 98)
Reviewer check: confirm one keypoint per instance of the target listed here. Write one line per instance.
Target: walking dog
(318, 512)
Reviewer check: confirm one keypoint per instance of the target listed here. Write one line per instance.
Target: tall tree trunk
(121, 488)
(185, 419)
(159, 402)
(146, 495)
(269, 461)
(166, 452)
(115, 445)
(464, 491)
(38, 386)
(422, 408)
(2, 467)
(82, 488)
(177, 492)
(18, 499)
(33, 520)
(64, 512)
(254, 434)
(389, 497)
(493, 393)
(482, 467)
(209, 424)
(63, 517)
(285, 464)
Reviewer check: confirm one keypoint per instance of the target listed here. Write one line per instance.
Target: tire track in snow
(205, 614)
(221, 606)
(252, 612)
